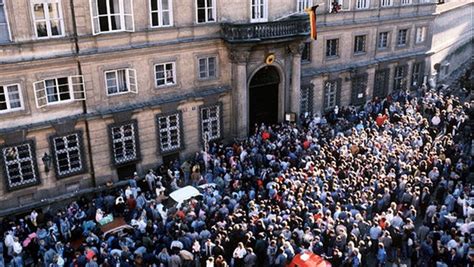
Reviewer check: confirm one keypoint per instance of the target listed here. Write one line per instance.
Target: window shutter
(128, 15)
(95, 17)
(40, 94)
(338, 92)
(132, 80)
(76, 84)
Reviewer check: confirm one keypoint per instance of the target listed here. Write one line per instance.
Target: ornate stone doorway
(263, 97)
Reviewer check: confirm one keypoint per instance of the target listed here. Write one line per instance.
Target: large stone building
(452, 45)
(94, 90)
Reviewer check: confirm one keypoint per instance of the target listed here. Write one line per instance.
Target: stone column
(295, 93)
(240, 99)
(370, 82)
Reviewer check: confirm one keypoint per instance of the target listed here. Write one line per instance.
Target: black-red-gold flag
(312, 20)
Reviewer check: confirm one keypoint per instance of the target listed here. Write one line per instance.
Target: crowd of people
(387, 183)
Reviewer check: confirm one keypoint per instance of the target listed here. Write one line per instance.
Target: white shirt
(239, 253)
(17, 248)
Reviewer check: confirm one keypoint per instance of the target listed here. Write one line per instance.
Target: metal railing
(251, 32)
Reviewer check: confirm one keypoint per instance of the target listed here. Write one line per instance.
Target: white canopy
(184, 193)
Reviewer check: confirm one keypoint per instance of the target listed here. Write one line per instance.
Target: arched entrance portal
(263, 97)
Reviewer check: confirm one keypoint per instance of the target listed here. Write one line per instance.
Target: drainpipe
(84, 105)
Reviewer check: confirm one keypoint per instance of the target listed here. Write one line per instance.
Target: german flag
(312, 20)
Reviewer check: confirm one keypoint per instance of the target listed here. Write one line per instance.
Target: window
(112, 16)
(169, 129)
(359, 44)
(306, 53)
(416, 77)
(4, 31)
(211, 123)
(400, 78)
(408, 2)
(383, 40)
(207, 68)
(381, 82)
(59, 90)
(48, 18)
(124, 142)
(301, 5)
(67, 156)
(385, 3)
(332, 47)
(20, 165)
(121, 81)
(258, 10)
(343, 4)
(359, 90)
(165, 74)
(402, 37)
(306, 100)
(362, 4)
(445, 68)
(331, 94)
(420, 35)
(10, 98)
(206, 11)
(161, 13)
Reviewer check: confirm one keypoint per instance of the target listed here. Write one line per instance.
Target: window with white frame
(362, 4)
(301, 5)
(169, 129)
(343, 4)
(408, 2)
(4, 31)
(20, 165)
(207, 67)
(258, 10)
(332, 47)
(59, 90)
(165, 74)
(124, 142)
(67, 154)
(359, 44)
(206, 11)
(48, 18)
(383, 40)
(420, 35)
(10, 98)
(112, 16)
(161, 13)
(385, 3)
(121, 81)
(330, 94)
(402, 37)
(211, 123)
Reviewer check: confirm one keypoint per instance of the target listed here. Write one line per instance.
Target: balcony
(293, 26)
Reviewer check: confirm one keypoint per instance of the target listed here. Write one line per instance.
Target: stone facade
(452, 42)
(119, 91)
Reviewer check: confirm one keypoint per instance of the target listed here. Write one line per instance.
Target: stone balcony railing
(261, 31)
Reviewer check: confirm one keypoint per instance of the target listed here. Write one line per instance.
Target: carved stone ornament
(239, 56)
(296, 48)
